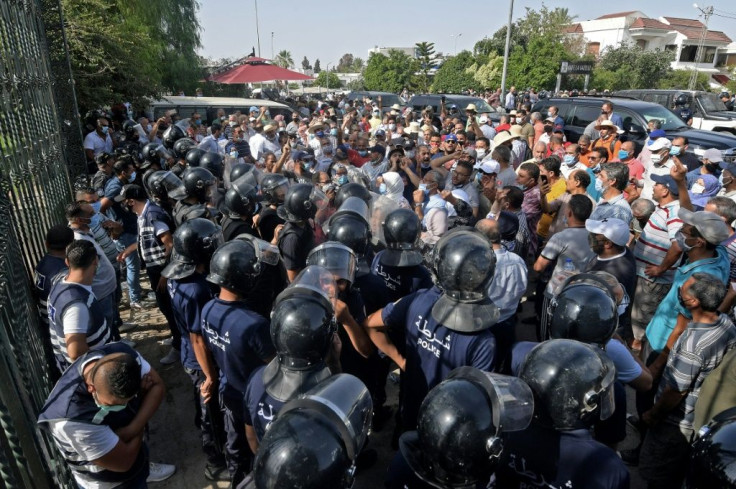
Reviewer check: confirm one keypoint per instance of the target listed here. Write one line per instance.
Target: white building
(410, 51)
(680, 36)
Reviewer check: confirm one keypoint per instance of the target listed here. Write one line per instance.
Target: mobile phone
(544, 179)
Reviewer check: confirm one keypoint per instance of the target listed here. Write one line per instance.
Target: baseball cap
(667, 181)
(254, 109)
(508, 225)
(660, 143)
(729, 167)
(613, 229)
(380, 132)
(489, 166)
(450, 137)
(657, 133)
(713, 155)
(550, 119)
(461, 194)
(131, 191)
(710, 225)
(378, 149)
(302, 156)
(483, 119)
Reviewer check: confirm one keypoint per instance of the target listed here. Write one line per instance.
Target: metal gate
(34, 188)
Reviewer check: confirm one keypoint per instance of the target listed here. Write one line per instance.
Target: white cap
(483, 119)
(461, 194)
(613, 229)
(488, 167)
(659, 144)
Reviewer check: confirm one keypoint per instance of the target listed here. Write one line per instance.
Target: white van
(207, 106)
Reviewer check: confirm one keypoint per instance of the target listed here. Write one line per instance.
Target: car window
(711, 102)
(584, 115)
(668, 119)
(631, 122)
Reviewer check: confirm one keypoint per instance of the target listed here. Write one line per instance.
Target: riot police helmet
(352, 190)
(195, 241)
(235, 266)
(213, 162)
(193, 156)
(241, 199)
(171, 135)
(302, 202)
(401, 230)
(337, 258)
(183, 146)
(713, 456)
(198, 182)
(274, 187)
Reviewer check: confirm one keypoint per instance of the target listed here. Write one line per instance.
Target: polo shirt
(655, 241)
(616, 207)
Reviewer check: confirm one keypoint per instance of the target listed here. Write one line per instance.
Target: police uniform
(401, 281)
(240, 342)
(235, 227)
(188, 297)
(43, 278)
(684, 113)
(267, 223)
(543, 457)
(269, 284)
(70, 408)
(432, 350)
(184, 211)
(260, 408)
(295, 243)
(63, 295)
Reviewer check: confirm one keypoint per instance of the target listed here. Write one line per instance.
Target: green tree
(537, 65)
(345, 65)
(453, 76)
(317, 67)
(305, 64)
(284, 59)
(356, 85)
(327, 79)
(357, 66)
(390, 73)
(425, 54)
(640, 68)
(679, 79)
(488, 74)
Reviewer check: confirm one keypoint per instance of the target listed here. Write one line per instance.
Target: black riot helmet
(572, 383)
(584, 310)
(337, 258)
(315, 440)
(163, 185)
(182, 147)
(302, 327)
(195, 241)
(213, 162)
(401, 231)
(352, 190)
(460, 426)
(150, 152)
(198, 183)
(274, 187)
(713, 457)
(240, 169)
(235, 266)
(463, 262)
(171, 135)
(302, 202)
(193, 156)
(352, 231)
(682, 99)
(129, 128)
(241, 199)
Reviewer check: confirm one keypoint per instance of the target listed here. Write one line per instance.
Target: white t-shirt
(94, 142)
(76, 316)
(88, 441)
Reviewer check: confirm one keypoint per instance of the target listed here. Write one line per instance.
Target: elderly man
(613, 178)
(571, 160)
(729, 181)
(627, 155)
(576, 184)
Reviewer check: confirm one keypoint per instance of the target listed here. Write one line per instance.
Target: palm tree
(283, 59)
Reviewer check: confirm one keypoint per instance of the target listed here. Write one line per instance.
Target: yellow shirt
(558, 188)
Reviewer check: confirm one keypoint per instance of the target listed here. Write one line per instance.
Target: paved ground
(173, 438)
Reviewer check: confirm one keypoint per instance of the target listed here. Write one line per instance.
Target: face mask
(569, 160)
(423, 188)
(132, 178)
(149, 127)
(675, 150)
(550, 114)
(363, 152)
(382, 189)
(726, 181)
(333, 131)
(410, 154)
(293, 144)
(548, 129)
(234, 153)
(306, 165)
(697, 188)
(621, 308)
(232, 123)
(198, 122)
(680, 238)
(622, 155)
(523, 188)
(392, 127)
(342, 179)
(656, 158)
(711, 167)
(599, 185)
(105, 129)
(222, 118)
(479, 178)
(104, 410)
(480, 153)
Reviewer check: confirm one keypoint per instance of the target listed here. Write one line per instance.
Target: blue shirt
(129, 219)
(209, 143)
(616, 119)
(239, 340)
(259, 408)
(617, 207)
(509, 282)
(432, 350)
(188, 297)
(401, 281)
(665, 317)
(591, 190)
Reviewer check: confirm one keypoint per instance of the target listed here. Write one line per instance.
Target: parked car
(709, 111)
(387, 98)
(419, 102)
(578, 112)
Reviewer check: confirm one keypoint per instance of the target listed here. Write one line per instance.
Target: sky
(327, 29)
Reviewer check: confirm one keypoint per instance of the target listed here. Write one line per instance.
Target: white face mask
(697, 188)
(480, 153)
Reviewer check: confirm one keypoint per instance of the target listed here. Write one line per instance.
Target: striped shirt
(730, 245)
(655, 240)
(696, 353)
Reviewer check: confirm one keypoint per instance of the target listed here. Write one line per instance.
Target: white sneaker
(171, 357)
(130, 343)
(167, 342)
(127, 326)
(160, 472)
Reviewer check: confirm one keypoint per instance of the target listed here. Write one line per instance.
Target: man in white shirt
(99, 140)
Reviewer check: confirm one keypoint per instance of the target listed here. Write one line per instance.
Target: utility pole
(271, 45)
(706, 12)
(258, 34)
(506, 55)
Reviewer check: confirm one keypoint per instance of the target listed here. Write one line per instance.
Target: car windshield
(480, 104)
(669, 120)
(711, 102)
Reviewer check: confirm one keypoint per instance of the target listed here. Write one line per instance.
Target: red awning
(256, 70)
(722, 79)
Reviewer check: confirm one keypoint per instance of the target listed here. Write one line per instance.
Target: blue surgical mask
(198, 122)
(675, 150)
(569, 160)
(342, 179)
(306, 165)
(363, 152)
(105, 129)
(105, 410)
(599, 185)
(333, 131)
(234, 153)
(423, 188)
(132, 178)
(622, 154)
(382, 189)
(680, 238)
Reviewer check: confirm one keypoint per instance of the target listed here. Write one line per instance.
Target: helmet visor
(173, 186)
(317, 279)
(265, 251)
(319, 198)
(335, 257)
(606, 394)
(245, 183)
(162, 152)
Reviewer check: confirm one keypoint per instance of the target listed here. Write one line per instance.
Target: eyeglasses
(455, 172)
(451, 142)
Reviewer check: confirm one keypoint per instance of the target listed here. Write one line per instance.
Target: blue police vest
(152, 249)
(70, 400)
(43, 278)
(61, 297)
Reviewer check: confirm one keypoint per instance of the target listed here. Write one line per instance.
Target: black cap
(378, 149)
(508, 225)
(59, 237)
(131, 191)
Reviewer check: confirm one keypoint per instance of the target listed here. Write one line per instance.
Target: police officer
(199, 183)
(714, 454)
(400, 264)
(460, 431)
(164, 188)
(352, 190)
(241, 204)
(195, 242)
(273, 189)
(302, 330)
(76, 319)
(108, 395)
(296, 238)
(314, 442)
(682, 108)
(446, 326)
(238, 340)
(172, 134)
(572, 384)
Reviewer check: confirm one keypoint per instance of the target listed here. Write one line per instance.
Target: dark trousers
(237, 451)
(163, 301)
(505, 334)
(208, 418)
